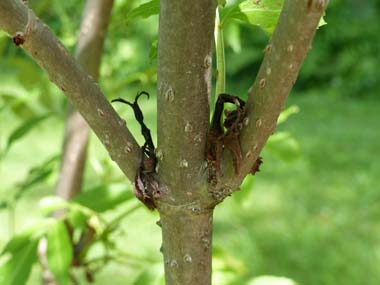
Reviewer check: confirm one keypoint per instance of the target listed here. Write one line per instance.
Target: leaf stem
(220, 57)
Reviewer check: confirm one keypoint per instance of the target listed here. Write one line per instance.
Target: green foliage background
(311, 215)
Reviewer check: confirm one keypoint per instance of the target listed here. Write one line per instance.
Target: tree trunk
(185, 48)
(187, 246)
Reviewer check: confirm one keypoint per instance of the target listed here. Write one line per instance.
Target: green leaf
(25, 128)
(17, 242)
(17, 269)
(77, 218)
(294, 109)
(103, 198)
(144, 11)
(50, 204)
(36, 175)
(264, 13)
(59, 252)
(30, 234)
(233, 37)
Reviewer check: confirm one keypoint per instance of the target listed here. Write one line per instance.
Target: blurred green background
(312, 214)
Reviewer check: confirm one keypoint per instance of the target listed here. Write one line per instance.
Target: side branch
(82, 90)
(283, 58)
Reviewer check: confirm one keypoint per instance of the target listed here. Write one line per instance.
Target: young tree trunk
(187, 246)
(186, 197)
(185, 51)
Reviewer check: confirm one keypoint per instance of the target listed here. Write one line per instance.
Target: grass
(315, 220)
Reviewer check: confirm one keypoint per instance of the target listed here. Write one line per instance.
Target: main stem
(185, 49)
(187, 247)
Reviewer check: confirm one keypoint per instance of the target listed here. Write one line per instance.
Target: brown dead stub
(226, 136)
(256, 166)
(18, 38)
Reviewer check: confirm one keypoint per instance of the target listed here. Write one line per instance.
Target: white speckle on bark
(188, 127)
(187, 258)
(128, 147)
(259, 123)
(183, 163)
(100, 112)
(159, 153)
(262, 83)
(169, 95)
(207, 61)
(173, 263)
(198, 139)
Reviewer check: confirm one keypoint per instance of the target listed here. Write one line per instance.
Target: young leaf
(17, 242)
(294, 109)
(103, 198)
(262, 13)
(59, 252)
(24, 128)
(36, 175)
(50, 204)
(144, 11)
(17, 269)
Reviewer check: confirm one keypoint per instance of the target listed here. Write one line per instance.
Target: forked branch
(283, 58)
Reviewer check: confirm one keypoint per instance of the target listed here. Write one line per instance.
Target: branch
(82, 91)
(88, 54)
(283, 58)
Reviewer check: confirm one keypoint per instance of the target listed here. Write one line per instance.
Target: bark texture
(283, 58)
(185, 50)
(88, 54)
(80, 88)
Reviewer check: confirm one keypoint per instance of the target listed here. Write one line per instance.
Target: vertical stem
(185, 48)
(220, 57)
(187, 247)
